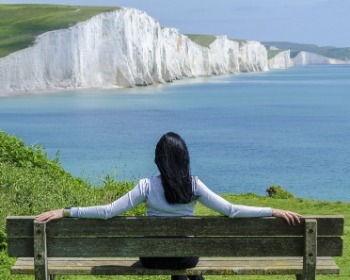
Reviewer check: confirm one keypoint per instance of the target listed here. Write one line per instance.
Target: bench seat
(206, 266)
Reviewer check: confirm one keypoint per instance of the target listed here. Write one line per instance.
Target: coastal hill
(328, 51)
(312, 54)
(50, 47)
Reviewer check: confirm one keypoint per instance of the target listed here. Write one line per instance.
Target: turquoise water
(244, 132)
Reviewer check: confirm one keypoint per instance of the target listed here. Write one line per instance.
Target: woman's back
(156, 203)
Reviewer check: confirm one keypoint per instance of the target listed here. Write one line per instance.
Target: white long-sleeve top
(150, 191)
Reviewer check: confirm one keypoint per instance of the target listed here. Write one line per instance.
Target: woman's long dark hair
(173, 161)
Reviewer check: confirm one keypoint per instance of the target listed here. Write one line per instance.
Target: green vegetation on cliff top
(21, 24)
(203, 40)
(30, 183)
(273, 53)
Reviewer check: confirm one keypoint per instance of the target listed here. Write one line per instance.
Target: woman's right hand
(289, 216)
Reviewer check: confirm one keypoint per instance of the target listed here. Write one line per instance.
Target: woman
(173, 193)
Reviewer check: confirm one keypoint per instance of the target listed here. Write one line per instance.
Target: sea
(244, 132)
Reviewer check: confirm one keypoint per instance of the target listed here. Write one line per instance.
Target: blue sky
(320, 22)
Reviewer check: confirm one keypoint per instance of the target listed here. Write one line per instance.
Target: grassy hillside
(31, 183)
(273, 53)
(21, 24)
(328, 51)
(203, 40)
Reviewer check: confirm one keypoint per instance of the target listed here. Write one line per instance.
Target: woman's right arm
(219, 204)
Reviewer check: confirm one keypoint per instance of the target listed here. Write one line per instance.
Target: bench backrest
(175, 236)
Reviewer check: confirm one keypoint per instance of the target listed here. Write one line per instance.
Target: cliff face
(304, 58)
(252, 57)
(281, 61)
(122, 48)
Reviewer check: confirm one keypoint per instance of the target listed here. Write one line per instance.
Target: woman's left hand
(50, 215)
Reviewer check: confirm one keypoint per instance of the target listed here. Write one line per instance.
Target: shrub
(3, 236)
(278, 192)
(13, 151)
(30, 183)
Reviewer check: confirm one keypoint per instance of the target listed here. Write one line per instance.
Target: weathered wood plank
(176, 247)
(20, 226)
(208, 266)
(155, 226)
(40, 252)
(127, 226)
(310, 251)
(221, 246)
(20, 247)
(205, 261)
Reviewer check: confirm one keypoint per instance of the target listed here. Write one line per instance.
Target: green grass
(202, 40)
(21, 24)
(273, 53)
(31, 183)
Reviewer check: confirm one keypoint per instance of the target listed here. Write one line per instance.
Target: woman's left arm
(128, 201)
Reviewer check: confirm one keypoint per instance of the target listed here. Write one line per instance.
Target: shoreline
(177, 82)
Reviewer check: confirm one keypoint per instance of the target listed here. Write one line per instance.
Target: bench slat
(207, 266)
(220, 246)
(128, 226)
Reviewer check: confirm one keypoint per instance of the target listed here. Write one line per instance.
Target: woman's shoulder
(152, 180)
(195, 180)
(198, 187)
(149, 185)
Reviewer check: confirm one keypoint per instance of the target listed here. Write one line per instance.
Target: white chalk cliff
(281, 60)
(252, 57)
(122, 48)
(305, 58)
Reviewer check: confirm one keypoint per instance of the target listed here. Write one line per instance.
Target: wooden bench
(241, 246)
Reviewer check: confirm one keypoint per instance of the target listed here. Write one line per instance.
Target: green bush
(3, 236)
(278, 192)
(31, 183)
(13, 150)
